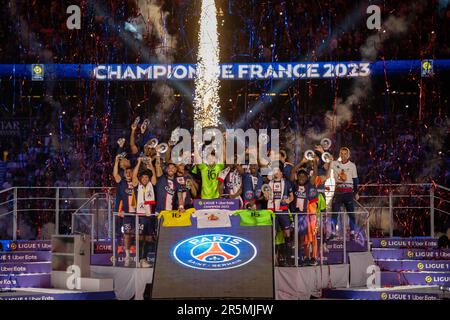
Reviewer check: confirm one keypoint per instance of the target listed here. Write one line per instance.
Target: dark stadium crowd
(258, 30)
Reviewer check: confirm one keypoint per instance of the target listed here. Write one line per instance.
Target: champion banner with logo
(226, 71)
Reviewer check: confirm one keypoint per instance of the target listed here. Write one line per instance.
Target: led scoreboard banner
(219, 262)
(225, 71)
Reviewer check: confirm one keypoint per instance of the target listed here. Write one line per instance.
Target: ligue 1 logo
(13, 246)
(428, 279)
(383, 243)
(420, 265)
(214, 252)
(37, 72)
(384, 296)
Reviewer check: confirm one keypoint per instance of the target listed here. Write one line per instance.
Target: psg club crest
(214, 252)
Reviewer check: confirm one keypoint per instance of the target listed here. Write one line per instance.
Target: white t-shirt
(344, 173)
(212, 218)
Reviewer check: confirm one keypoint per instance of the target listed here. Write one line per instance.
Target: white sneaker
(144, 263)
(127, 261)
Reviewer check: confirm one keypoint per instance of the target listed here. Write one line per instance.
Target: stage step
(398, 242)
(25, 268)
(25, 256)
(411, 254)
(338, 245)
(25, 281)
(402, 278)
(396, 293)
(413, 265)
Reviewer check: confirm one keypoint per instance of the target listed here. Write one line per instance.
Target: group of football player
(154, 183)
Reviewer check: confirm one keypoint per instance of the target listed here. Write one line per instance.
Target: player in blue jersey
(168, 194)
(305, 203)
(124, 199)
(251, 188)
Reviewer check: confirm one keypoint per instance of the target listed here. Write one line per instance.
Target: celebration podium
(217, 262)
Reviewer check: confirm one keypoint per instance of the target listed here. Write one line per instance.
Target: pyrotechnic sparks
(206, 99)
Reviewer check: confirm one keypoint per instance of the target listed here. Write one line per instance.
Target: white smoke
(434, 140)
(155, 19)
(362, 86)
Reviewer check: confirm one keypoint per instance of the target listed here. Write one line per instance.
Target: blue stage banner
(226, 71)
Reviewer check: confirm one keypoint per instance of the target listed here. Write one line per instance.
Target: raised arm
(158, 168)
(312, 179)
(116, 175)
(167, 156)
(134, 148)
(194, 187)
(135, 179)
(150, 166)
(294, 170)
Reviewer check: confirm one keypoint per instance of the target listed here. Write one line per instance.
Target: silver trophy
(326, 157)
(325, 143)
(152, 143)
(122, 155)
(145, 159)
(136, 121)
(162, 148)
(145, 124)
(121, 142)
(188, 184)
(266, 188)
(309, 155)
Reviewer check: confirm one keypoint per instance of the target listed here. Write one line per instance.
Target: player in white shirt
(212, 218)
(346, 177)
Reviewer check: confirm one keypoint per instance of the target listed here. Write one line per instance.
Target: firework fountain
(206, 99)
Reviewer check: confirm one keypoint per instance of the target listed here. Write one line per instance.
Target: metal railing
(23, 207)
(64, 205)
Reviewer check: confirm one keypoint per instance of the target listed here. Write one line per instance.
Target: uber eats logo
(214, 252)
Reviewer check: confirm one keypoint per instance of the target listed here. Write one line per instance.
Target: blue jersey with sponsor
(232, 182)
(303, 195)
(124, 194)
(251, 188)
(181, 181)
(287, 168)
(280, 191)
(320, 184)
(166, 194)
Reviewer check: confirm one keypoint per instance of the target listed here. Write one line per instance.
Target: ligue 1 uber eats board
(231, 262)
